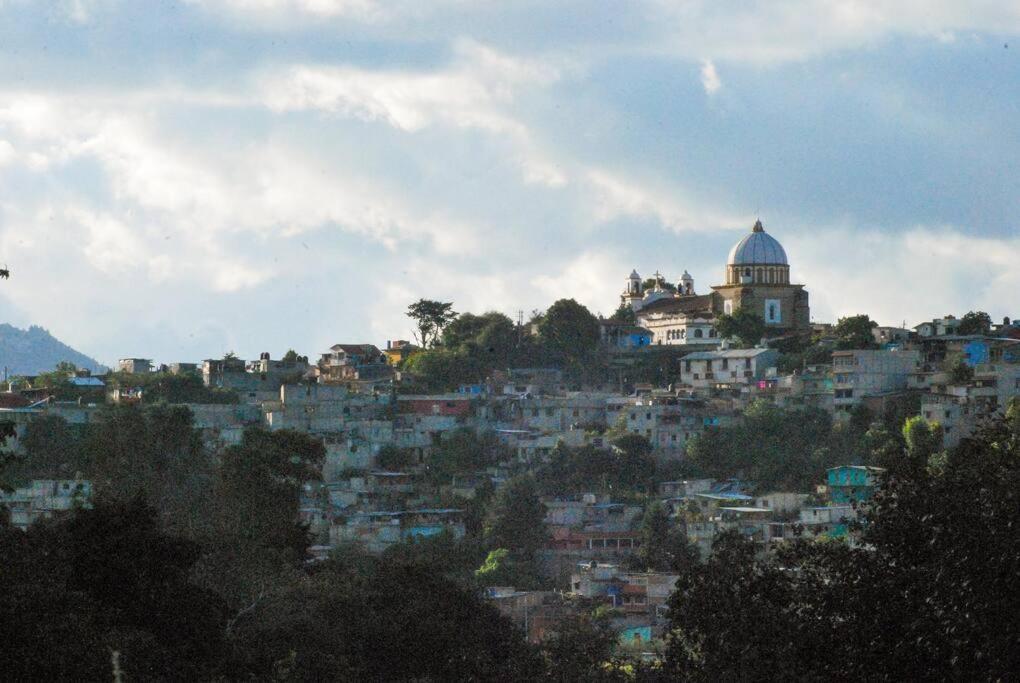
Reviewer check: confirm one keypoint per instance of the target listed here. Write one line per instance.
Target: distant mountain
(35, 350)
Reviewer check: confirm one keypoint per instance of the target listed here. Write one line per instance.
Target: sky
(179, 179)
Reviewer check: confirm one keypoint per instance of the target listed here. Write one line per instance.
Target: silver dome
(758, 249)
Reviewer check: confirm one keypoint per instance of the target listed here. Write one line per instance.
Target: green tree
(441, 369)
(569, 330)
(744, 325)
(959, 371)
(932, 575)
(517, 520)
(430, 317)
(625, 314)
(975, 322)
(393, 458)
(292, 357)
(74, 589)
(854, 332)
(580, 649)
(635, 464)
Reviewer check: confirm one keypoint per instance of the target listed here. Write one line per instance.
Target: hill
(35, 350)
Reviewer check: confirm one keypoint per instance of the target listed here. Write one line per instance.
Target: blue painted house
(851, 483)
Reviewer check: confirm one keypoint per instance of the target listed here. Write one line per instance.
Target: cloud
(616, 196)
(911, 276)
(709, 77)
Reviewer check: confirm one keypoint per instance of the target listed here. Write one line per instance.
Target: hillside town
(644, 436)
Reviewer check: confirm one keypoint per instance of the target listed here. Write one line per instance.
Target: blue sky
(179, 179)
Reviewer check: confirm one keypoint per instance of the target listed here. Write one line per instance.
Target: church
(757, 278)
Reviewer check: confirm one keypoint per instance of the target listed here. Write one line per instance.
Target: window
(725, 363)
(687, 367)
(648, 416)
(534, 412)
(698, 333)
(747, 363)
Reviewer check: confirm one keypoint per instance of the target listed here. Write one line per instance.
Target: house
(849, 484)
(377, 531)
(44, 498)
(399, 350)
(347, 362)
(631, 592)
(938, 327)
(888, 337)
(859, 373)
(135, 366)
(617, 336)
(704, 369)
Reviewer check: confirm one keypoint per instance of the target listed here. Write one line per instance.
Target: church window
(711, 332)
(698, 334)
(747, 272)
(683, 334)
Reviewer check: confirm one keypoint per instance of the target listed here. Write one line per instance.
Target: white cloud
(914, 275)
(7, 153)
(709, 77)
(616, 196)
(785, 30)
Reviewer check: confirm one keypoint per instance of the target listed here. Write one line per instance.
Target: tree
(854, 332)
(959, 371)
(580, 649)
(625, 314)
(518, 519)
(292, 357)
(393, 458)
(441, 369)
(430, 317)
(744, 325)
(569, 330)
(975, 322)
(635, 464)
(464, 451)
(106, 579)
(933, 576)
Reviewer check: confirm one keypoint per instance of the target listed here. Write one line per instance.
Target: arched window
(747, 272)
(698, 334)
(759, 276)
(772, 276)
(683, 334)
(711, 332)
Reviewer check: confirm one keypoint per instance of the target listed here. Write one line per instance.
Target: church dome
(758, 248)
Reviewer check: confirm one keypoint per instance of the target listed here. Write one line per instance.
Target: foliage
(663, 546)
(430, 317)
(580, 649)
(502, 569)
(489, 340)
(744, 325)
(778, 449)
(960, 372)
(393, 458)
(440, 370)
(816, 354)
(464, 451)
(625, 314)
(569, 330)
(517, 520)
(292, 357)
(102, 580)
(854, 332)
(933, 577)
(975, 322)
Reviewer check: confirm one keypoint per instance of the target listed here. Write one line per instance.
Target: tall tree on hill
(569, 329)
(854, 332)
(430, 317)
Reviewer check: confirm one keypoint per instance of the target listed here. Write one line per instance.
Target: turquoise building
(852, 483)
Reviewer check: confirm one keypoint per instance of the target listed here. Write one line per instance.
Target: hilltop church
(757, 277)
